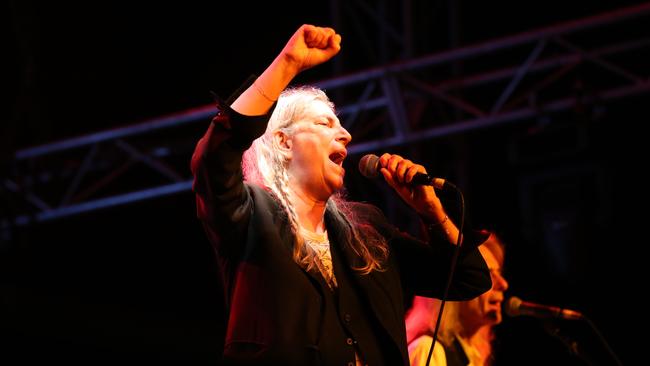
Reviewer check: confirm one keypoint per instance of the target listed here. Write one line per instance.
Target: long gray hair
(265, 164)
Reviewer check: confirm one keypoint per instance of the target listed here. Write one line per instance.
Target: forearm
(261, 94)
(438, 222)
(309, 46)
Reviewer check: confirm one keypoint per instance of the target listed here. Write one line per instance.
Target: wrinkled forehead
(319, 108)
(315, 112)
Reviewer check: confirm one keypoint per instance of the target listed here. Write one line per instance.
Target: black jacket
(278, 313)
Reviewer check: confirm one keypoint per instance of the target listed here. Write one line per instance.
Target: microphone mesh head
(512, 306)
(368, 166)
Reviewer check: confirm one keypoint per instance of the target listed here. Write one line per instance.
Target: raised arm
(308, 47)
(223, 201)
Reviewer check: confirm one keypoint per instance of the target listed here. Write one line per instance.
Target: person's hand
(311, 46)
(308, 47)
(398, 173)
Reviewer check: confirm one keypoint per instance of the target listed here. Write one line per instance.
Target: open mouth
(338, 157)
(495, 301)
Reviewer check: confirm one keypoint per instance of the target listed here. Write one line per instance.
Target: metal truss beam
(506, 80)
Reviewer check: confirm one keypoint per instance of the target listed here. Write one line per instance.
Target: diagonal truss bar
(519, 75)
(598, 60)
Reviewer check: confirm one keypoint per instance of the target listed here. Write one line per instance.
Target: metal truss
(512, 79)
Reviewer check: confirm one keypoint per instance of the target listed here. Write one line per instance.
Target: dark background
(138, 283)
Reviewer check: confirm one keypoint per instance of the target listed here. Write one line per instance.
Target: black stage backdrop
(138, 282)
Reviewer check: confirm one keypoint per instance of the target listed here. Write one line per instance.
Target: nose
(344, 136)
(499, 282)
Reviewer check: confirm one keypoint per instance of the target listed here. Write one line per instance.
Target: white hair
(265, 164)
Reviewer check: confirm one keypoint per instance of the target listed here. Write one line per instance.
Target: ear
(283, 142)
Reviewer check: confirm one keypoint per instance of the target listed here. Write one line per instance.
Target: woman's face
(317, 149)
(486, 308)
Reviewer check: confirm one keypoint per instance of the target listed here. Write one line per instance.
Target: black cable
(602, 339)
(454, 261)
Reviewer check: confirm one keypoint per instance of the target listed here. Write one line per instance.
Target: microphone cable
(600, 336)
(573, 346)
(452, 268)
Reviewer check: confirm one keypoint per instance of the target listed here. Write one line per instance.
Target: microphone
(369, 168)
(516, 307)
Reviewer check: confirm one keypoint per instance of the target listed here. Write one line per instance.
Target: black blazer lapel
(286, 241)
(376, 286)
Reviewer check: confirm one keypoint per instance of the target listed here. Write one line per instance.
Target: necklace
(320, 244)
(315, 238)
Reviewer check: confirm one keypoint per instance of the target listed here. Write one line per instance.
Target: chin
(493, 316)
(336, 183)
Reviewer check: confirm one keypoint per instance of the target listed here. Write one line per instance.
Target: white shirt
(419, 351)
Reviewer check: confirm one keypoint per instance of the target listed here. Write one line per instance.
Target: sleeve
(224, 203)
(424, 269)
(424, 266)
